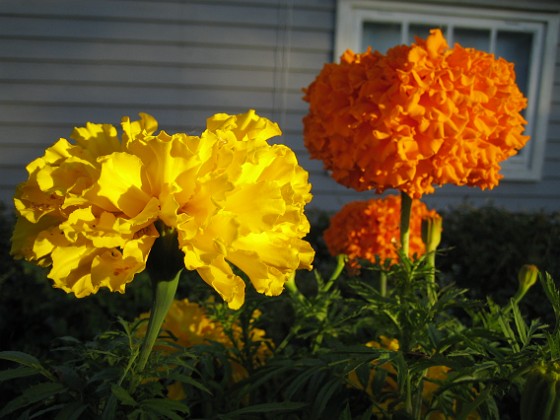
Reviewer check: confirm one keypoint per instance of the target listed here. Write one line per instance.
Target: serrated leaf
(190, 381)
(122, 395)
(268, 408)
(42, 414)
(20, 357)
(19, 372)
(27, 360)
(324, 396)
(165, 407)
(520, 325)
(552, 294)
(106, 375)
(508, 333)
(32, 395)
(110, 409)
(72, 411)
(70, 377)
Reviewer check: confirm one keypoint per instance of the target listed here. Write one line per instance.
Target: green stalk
(340, 264)
(431, 236)
(406, 205)
(164, 266)
(383, 283)
(431, 276)
(408, 401)
(164, 293)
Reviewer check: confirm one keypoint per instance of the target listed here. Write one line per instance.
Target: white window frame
(528, 165)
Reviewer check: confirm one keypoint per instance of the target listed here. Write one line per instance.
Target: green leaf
(324, 396)
(70, 377)
(165, 407)
(189, 381)
(31, 395)
(520, 324)
(552, 294)
(122, 395)
(267, 408)
(27, 360)
(110, 409)
(508, 333)
(21, 358)
(47, 412)
(72, 411)
(19, 372)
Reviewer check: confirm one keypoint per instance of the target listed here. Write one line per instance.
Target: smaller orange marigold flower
(371, 229)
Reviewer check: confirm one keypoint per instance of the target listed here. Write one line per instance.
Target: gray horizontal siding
(63, 63)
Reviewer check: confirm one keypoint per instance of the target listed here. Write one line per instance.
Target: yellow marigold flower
(369, 229)
(89, 209)
(189, 325)
(419, 116)
(433, 376)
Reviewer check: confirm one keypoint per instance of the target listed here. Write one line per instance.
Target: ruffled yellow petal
(248, 126)
(167, 161)
(90, 209)
(220, 276)
(123, 183)
(146, 126)
(97, 139)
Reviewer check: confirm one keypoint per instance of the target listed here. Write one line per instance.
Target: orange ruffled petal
(370, 229)
(419, 116)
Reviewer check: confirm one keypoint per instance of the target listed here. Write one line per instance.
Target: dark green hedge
(482, 250)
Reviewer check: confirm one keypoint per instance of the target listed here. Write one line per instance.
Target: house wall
(65, 62)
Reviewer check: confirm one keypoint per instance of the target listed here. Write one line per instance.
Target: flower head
(189, 325)
(384, 393)
(89, 209)
(419, 116)
(370, 229)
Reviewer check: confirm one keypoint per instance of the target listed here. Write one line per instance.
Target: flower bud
(527, 276)
(431, 231)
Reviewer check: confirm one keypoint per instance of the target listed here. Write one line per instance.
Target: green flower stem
(406, 205)
(340, 264)
(164, 293)
(431, 276)
(164, 266)
(431, 236)
(408, 390)
(383, 283)
(292, 288)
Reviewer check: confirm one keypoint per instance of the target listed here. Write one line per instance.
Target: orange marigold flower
(419, 116)
(369, 229)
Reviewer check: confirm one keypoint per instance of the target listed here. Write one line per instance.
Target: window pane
(472, 38)
(516, 47)
(381, 36)
(421, 30)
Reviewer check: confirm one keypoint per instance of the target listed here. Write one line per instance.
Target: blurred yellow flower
(189, 325)
(90, 209)
(387, 398)
(419, 116)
